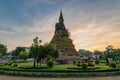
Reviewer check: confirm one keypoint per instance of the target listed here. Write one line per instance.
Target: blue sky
(92, 23)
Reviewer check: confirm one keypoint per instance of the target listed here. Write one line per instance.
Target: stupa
(63, 43)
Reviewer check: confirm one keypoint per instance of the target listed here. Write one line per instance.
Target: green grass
(28, 67)
(68, 67)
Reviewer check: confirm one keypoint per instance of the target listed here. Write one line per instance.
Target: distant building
(87, 55)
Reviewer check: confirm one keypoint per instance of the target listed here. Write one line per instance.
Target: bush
(50, 63)
(97, 62)
(91, 63)
(15, 65)
(78, 63)
(9, 63)
(84, 66)
(6, 63)
(113, 65)
(74, 62)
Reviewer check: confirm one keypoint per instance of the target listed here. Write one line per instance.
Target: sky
(93, 24)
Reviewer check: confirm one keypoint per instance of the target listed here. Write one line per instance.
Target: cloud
(91, 25)
(2, 32)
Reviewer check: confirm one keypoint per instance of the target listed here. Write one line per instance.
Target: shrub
(97, 62)
(113, 65)
(9, 63)
(6, 63)
(78, 63)
(74, 62)
(50, 63)
(84, 66)
(15, 65)
(91, 63)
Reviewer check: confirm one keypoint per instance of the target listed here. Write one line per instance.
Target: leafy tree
(39, 52)
(51, 51)
(24, 55)
(3, 49)
(109, 53)
(42, 54)
(116, 55)
(17, 51)
(103, 56)
(34, 53)
(96, 52)
(117, 52)
(34, 50)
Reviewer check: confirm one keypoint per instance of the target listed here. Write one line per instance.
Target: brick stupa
(63, 43)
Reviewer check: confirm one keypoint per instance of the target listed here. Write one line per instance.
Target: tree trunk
(34, 65)
(40, 62)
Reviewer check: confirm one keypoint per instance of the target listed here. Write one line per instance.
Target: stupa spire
(61, 19)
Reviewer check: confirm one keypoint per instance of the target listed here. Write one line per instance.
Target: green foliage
(91, 63)
(78, 63)
(34, 50)
(97, 62)
(113, 65)
(15, 65)
(6, 63)
(117, 52)
(84, 66)
(24, 55)
(67, 33)
(3, 49)
(96, 52)
(58, 38)
(10, 63)
(42, 52)
(17, 51)
(51, 50)
(74, 62)
(109, 52)
(50, 63)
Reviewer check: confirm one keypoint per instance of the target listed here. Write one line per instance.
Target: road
(26, 78)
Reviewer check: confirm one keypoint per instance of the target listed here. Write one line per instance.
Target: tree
(51, 51)
(42, 54)
(3, 49)
(116, 54)
(17, 51)
(109, 53)
(24, 55)
(96, 52)
(39, 52)
(34, 50)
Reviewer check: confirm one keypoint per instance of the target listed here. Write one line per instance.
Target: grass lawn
(29, 65)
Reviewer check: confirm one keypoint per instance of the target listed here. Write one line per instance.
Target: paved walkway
(26, 78)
